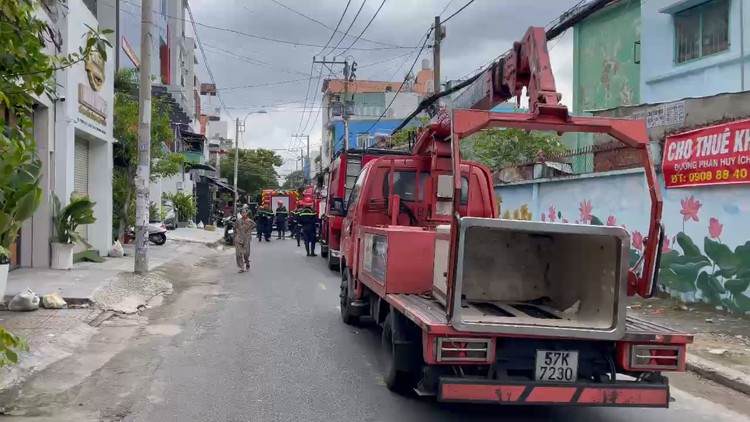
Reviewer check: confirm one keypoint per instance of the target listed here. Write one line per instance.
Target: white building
(74, 134)
(693, 48)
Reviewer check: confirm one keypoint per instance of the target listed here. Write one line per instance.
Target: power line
(366, 26)
(251, 60)
(307, 92)
(337, 28)
(205, 59)
(315, 96)
(264, 38)
(350, 27)
(445, 8)
(424, 44)
(326, 26)
(457, 11)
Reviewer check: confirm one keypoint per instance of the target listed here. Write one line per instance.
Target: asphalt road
(273, 348)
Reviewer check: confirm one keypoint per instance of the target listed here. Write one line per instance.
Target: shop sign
(92, 105)
(662, 115)
(715, 155)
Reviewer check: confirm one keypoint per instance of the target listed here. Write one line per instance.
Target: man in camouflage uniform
(243, 236)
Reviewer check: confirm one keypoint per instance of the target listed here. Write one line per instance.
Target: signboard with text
(714, 155)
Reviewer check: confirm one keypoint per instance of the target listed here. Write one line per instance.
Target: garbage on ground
(709, 320)
(54, 301)
(24, 301)
(117, 250)
(200, 224)
(718, 352)
(636, 306)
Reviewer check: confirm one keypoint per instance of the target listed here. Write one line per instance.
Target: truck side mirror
(337, 207)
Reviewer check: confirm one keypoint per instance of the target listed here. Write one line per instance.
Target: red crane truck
(342, 173)
(479, 309)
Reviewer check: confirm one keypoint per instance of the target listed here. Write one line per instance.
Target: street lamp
(237, 131)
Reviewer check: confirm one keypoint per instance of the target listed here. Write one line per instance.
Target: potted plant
(65, 221)
(185, 208)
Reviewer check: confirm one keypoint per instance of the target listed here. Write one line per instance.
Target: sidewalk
(196, 235)
(721, 350)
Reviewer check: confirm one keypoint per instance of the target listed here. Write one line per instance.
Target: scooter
(157, 233)
(229, 230)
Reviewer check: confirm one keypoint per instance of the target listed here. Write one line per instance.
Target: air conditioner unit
(180, 185)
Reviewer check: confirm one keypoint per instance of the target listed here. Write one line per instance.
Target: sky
(254, 71)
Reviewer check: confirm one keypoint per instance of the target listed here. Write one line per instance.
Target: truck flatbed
(430, 315)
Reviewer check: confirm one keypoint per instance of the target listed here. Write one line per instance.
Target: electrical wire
(326, 26)
(445, 8)
(350, 28)
(424, 44)
(457, 12)
(348, 3)
(315, 96)
(262, 37)
(365, 28)
(205, 59)
(251, 60)
(307, 93)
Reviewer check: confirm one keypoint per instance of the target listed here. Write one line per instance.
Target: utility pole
(349, 75)
(309, 169)
(237, 131)
(439, 35)
(143, 172)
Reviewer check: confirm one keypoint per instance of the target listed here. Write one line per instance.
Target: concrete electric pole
(309, 168)
(439, 35)
(143, 173)
(240, 127)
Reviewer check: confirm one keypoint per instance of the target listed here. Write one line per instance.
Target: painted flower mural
(714, 228)
(637, 240)
(585, 209)
(611, 221)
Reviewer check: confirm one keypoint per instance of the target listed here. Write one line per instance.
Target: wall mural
(706, 249)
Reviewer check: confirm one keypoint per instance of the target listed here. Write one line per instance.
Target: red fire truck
(342, 173)
(480, 309)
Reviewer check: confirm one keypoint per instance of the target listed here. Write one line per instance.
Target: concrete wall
(605, 72)
(711, 219)
(662, 80)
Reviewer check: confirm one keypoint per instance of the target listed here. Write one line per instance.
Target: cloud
(474, 37)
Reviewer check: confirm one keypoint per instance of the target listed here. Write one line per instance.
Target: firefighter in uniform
(308, 221)
(281, 216)
(265, 223)
(294, 222)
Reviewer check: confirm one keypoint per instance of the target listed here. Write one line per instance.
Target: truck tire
(346, 312)
(332, 264)
(398, 381)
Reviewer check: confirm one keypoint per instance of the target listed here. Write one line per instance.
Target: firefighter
(264, 219)
(308, 221)
(281, 216)
(294, 222)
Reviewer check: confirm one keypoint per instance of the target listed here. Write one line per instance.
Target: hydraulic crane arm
(527, 65)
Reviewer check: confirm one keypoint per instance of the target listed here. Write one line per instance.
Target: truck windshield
(405, 185)
(356, 189)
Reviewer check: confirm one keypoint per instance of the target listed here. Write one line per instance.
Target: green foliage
(26, 72)
(10, 345)
(402, 137)
(294, 180)
(721, 275)
(79, 211)
(256, 169)
(497, 148)
(184, 206)
(163, 162)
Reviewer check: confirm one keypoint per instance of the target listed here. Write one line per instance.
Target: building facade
(73, 132)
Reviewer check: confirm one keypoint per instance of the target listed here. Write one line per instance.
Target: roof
(359, 87)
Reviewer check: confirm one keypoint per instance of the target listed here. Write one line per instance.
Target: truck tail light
(657, 357)
(463, 349)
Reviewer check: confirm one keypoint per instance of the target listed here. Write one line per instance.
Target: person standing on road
(264, 218)
(243, 237)
(308, 221)
(281, 217)
(294, 222)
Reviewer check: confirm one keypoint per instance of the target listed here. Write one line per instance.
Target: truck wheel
(346, 310)
(397, 381)
(332, 264)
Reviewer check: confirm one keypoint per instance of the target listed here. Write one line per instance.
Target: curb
(720, 374)
(212, 245)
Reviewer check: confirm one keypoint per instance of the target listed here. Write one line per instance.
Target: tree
(497, 148)
(163, 162)
(26, 73)
(255, 169)
(402, 137)
(294, 180)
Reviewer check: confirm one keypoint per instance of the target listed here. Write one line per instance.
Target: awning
(198, 166)
(220, 184)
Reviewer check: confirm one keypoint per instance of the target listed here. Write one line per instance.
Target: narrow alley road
(269, 345)
(275, 349)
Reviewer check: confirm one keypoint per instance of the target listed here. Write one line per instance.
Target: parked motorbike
(157, 233)
(229, 229)
(219, 217)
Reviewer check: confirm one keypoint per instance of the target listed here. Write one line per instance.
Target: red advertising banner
(715, 155)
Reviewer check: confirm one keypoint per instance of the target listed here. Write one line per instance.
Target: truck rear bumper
(618, 394)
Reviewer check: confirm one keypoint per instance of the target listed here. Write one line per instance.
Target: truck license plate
(556, 366)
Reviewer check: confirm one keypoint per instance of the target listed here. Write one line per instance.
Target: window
(464, 199)
(701, 31)
(356, 190)
(405, 184)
